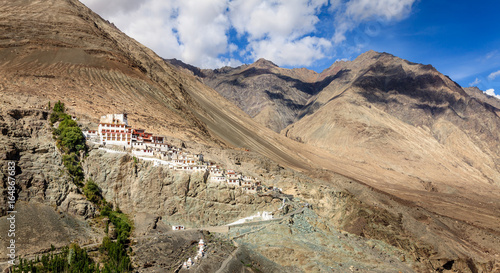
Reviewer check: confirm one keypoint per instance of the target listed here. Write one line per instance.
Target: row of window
(116, 139)
(113, 126)
(115, 131)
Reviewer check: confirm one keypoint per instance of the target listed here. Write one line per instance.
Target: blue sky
(461, 39)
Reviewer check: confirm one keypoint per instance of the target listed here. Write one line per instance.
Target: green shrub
(92, 192)
(71, 140)
(58, 112)
(59, 107)
(116, 252)
(72, 164)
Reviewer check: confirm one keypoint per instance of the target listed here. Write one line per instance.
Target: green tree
(72, 164)
(59, 107)
(57, 112)
(72, 140)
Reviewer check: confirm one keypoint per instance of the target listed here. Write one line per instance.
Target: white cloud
(494, 75)
(275, 18)
(202, 27)
(290, 52)
(356, 12)
(491, 92)
(277, 29)
(492, 54)
(475, 82)
(284, 31)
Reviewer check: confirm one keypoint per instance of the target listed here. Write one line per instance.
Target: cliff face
(50, 208)
(176, 197)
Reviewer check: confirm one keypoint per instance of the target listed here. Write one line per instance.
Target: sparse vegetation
(117, 259)
(115, 253)
(70, 141)
(93, 192)
(74, 168)
(57, 112)
(71, 259)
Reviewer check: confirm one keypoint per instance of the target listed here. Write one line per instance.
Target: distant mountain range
(376, 106)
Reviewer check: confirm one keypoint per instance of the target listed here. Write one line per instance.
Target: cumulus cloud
(290, 52)
(491, 92)
(275, 18)
(494, 75)
(277, 29)
(214, 33)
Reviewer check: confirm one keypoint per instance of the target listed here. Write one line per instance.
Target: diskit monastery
(114, 131)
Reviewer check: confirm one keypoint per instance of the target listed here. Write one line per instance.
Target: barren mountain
(271, 95)
(400, 172)
(481, 96)
(381, 106)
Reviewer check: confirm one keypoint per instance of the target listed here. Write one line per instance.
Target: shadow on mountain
(287, 102)
(381, 81)
(313, 106)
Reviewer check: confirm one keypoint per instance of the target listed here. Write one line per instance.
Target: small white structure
(143, 152)
(201, 249)
(264, 216)
(250, 190)
(247, 183)
(178, 227)
(114, 119)
(91, 135)
(233, 175)
(217, 179)
(216, 172)
(233, 182)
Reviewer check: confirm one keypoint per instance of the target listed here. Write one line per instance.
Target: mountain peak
(264, 63)
(370, 53)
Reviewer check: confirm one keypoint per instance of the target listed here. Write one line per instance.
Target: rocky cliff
(51, 210)
(174, 196)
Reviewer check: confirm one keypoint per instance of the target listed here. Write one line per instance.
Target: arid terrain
(399, 166)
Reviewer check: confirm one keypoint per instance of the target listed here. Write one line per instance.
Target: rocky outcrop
(50, 208)
(175, 196)
(483, 97)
